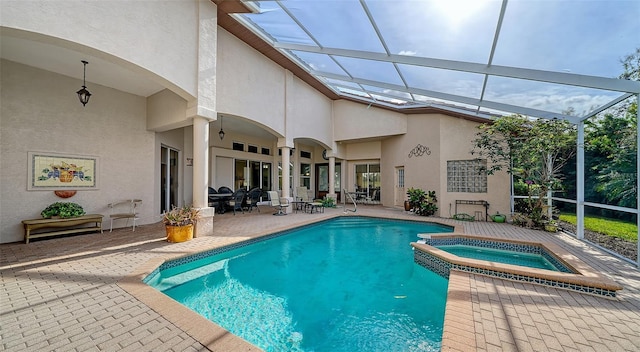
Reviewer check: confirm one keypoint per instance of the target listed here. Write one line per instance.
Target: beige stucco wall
(166, 110)
(51, 119)
(308, 112)
(151, 36)
(420, 172)
(356, 121)
(448, 138)
(249, 85)
(457, 135)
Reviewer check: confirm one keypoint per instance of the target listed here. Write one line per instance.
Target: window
(252, 149)
(238, 146)
(306, 155)
(266, 151)
(280, 175)
(305, 175)
(400, 177)
(467, 176)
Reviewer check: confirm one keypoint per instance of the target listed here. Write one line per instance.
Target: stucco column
(332, 176)
(285, 172)
(200, 161)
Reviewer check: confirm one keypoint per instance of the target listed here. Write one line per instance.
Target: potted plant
(63, 210)
(422, 202)
(179, 222)
(498, 217)
(328, 202)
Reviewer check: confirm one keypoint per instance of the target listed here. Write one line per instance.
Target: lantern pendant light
(221, 133)
(83, 94)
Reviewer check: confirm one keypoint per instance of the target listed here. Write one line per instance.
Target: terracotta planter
(179, 233)
(407, 205)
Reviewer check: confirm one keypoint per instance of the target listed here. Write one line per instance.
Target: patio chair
(235, 203)
(125, 209)
(278, 203)
(373, 198)
(212, 201)
(303, 195)
(253, 197)
(225, 189)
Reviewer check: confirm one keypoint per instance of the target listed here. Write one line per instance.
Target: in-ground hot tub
(573, 274)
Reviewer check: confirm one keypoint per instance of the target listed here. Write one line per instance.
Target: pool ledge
(584, 279)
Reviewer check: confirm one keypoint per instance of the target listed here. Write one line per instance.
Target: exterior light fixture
(221, 133)
(83, 94)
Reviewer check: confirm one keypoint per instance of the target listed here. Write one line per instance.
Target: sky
(586, 37)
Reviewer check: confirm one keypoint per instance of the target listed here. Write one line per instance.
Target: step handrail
(355, 205)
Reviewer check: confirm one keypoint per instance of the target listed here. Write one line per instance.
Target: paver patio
(66, 294)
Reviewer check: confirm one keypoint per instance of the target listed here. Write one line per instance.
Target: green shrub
(63, 209)
(422, 202)
(328, 202)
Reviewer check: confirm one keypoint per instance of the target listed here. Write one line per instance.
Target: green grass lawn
(615, 228)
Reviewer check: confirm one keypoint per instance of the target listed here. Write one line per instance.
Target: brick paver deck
(77, 294)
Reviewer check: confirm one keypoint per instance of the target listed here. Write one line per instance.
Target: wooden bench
(70, 226)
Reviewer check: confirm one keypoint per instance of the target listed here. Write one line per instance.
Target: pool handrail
(347, 194)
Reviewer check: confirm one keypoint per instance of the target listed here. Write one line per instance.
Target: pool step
(179, 279)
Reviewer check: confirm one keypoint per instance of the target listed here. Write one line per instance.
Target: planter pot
(498, 218)
(407, 205)
(179, 233)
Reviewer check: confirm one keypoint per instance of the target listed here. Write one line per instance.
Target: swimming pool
(344, 284)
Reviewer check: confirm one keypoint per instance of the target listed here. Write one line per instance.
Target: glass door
(322, 180)
(368, 181)
(168, 178)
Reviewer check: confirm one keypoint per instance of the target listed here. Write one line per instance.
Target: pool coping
(585, 279)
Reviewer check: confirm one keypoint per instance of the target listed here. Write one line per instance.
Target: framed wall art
(51, 171)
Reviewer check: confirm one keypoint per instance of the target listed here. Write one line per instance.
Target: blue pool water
(346, 284)
(500, 256)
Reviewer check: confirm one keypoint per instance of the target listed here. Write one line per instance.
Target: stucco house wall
(149, 36)
(249, 85)
(357, 121)
(50, 119)
(447, 138)
(458, 134)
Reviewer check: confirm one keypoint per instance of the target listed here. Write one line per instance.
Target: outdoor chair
(253, 197)
(225, 189)
(373, 198)
(125, 209)
(213, 202)
(235, 203)
(278, 203)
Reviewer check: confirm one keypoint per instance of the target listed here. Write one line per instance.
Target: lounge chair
(278, 203)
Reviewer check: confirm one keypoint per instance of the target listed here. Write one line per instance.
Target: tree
(533, 149)
(612, 146)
